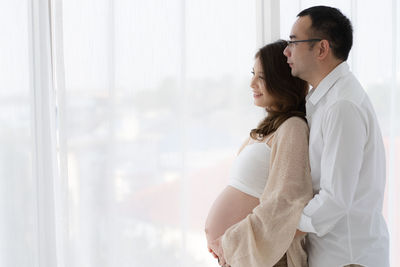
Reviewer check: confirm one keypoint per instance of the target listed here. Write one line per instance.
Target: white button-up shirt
(344, 219)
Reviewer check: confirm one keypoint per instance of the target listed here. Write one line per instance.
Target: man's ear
(323, 49)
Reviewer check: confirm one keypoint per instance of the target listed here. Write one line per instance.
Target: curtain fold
(27, 136)
(44, 131)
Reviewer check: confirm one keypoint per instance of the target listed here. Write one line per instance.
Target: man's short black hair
(330, 24)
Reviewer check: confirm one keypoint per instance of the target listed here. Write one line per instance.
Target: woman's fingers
(221, 261)
(212, 252)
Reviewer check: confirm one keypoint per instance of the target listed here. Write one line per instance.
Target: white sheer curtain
(120, 119)
(154, 102)
(27, 136)
(18, 232)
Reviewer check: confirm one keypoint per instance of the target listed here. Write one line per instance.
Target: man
(344, 220)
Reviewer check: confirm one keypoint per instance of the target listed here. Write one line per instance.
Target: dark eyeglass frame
(290, 42)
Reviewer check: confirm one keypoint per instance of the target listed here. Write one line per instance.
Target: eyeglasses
(291, 43)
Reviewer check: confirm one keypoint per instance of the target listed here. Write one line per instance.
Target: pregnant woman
(253, 221)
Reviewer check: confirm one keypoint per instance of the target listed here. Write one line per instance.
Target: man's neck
(322, 71)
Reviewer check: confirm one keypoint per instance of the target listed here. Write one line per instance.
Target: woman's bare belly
(230, 207)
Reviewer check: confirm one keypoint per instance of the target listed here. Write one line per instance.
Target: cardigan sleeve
(264, 236)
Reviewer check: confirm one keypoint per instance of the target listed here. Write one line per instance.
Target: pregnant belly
(230, 207)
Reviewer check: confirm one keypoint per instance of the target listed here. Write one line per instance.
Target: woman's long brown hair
(288, 92)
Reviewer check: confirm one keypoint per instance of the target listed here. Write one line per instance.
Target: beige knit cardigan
(266, 234)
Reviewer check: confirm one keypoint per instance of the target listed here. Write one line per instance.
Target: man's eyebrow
(292, 36)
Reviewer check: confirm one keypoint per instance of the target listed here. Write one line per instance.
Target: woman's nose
(253, 83)
(286, 51)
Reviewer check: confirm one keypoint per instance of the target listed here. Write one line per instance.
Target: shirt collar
(317, 93)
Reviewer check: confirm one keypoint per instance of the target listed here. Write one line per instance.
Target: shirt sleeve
(264, 236)
(344, 133)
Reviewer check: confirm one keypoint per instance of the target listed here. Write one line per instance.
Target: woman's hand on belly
(216, 248)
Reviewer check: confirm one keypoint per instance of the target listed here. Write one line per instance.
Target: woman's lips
(255, 95)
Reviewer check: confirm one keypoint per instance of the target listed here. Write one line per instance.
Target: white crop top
(250, 169)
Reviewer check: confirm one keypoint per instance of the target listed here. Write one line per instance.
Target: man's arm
(344, 133)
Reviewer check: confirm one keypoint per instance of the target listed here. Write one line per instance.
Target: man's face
(300, 56)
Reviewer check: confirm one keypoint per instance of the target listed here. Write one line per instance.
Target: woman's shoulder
(293, 125)
(244, 144)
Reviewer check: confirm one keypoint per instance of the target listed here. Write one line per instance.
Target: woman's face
(261, 97)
